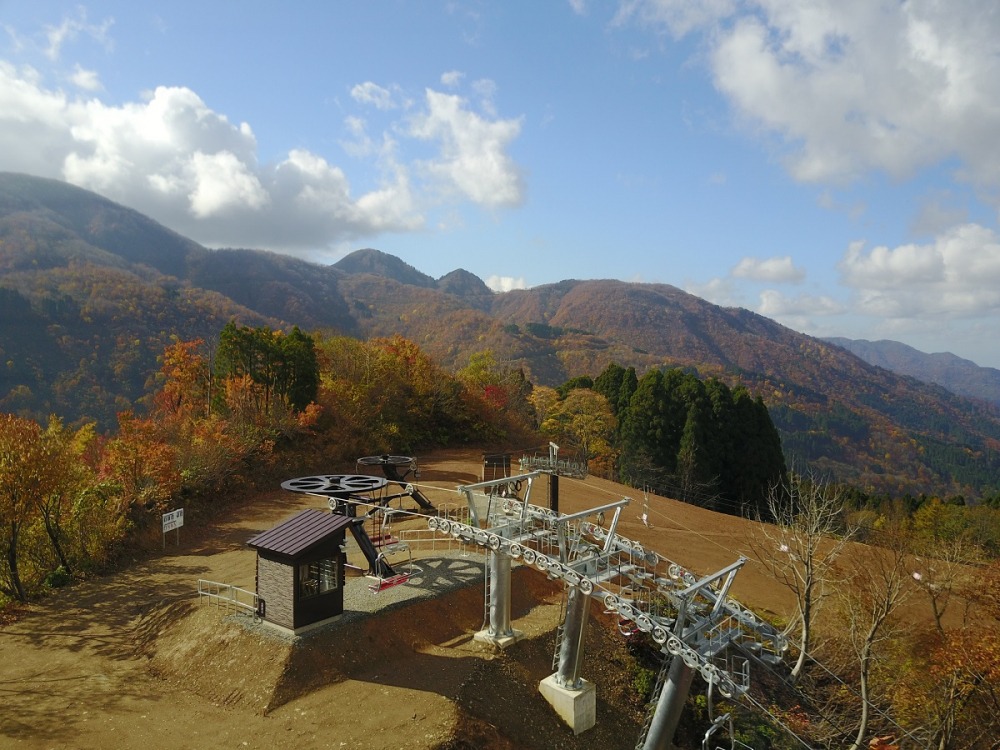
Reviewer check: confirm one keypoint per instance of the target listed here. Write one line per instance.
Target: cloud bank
(848, 86)
(173, 157)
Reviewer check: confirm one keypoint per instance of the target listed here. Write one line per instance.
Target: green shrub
(58, 578)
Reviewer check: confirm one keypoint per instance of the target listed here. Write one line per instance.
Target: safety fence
(230, 597)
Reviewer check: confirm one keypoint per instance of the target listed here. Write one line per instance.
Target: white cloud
(774, 304)
(473, 160)
(506, 283)
(17, 43)
(937, 213)
(957, 276)
(373, 94)
(853, 85)
(34, 132)
(579, 7)
(717, 291)
(174, 158)
(802, 312)
(679, 17)
(486, 89)
(71, 28)
(88, 80)
(222, 182)
(452, 78)
(362, 144)
(769, 269)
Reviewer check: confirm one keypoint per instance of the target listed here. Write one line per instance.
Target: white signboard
(173, 520)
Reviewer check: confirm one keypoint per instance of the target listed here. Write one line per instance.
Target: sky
(831, 164)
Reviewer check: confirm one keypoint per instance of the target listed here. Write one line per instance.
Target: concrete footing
(501, 641)
(578, 708)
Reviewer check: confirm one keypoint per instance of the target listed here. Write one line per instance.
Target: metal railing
(228, 596)
(424, 539)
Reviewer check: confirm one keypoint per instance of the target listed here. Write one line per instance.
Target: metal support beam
(610, 540)
(500, 626)
(571, 648)
(667, 715)
(595, 510)
(468, 489)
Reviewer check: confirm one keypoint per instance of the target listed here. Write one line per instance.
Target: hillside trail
(133, 660)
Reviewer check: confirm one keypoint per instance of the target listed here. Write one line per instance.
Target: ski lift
(345, 494)
(726, 720)
(389, 574)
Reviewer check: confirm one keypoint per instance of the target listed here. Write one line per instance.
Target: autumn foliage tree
(141, 466)
(582, 422)
(20, 465)
(42, 474)
(283, 366)
(498, 394)
(66, 475)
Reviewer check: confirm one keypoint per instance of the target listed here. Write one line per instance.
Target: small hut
(300, 570)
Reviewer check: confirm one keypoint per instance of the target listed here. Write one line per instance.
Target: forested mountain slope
(91, 291)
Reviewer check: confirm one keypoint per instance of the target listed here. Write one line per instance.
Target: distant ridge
(382, 264)
(462, 283)
(99, 222)
(960, 376)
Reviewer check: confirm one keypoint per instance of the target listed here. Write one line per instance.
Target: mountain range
(91, 292)
(958, 375)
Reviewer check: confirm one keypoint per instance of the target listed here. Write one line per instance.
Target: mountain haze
(90, 292)
(958, 375)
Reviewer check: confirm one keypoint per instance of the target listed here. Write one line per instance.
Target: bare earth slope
(135, 661)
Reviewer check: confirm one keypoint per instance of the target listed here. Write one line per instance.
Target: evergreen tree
(697, 440)
(298, 373)
(695, 479)
(281, 366)
(630, 383)
(580, 381)
(653, 424)
(609, 385)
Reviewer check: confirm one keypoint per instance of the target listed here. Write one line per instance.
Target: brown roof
(298, 534)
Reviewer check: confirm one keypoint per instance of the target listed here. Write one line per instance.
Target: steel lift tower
(696, 624)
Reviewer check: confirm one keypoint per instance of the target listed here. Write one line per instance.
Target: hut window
(317, 577)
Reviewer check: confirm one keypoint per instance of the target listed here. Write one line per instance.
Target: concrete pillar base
(578, 708)
(501, 642)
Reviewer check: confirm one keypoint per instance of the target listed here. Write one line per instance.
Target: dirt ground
(134, 660)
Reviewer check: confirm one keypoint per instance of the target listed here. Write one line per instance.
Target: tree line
(669, 431)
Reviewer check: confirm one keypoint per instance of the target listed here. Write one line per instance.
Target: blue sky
(831, 164)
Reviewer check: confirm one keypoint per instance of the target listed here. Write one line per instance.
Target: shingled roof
(300, 533)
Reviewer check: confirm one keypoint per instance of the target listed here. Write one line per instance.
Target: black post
(554, 492)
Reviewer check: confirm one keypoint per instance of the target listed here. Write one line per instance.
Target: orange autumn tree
(20, 467)
(387, 395)
(65, 475)
(499, 394)
(140, 468)
(42, 475)
(218, 425)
